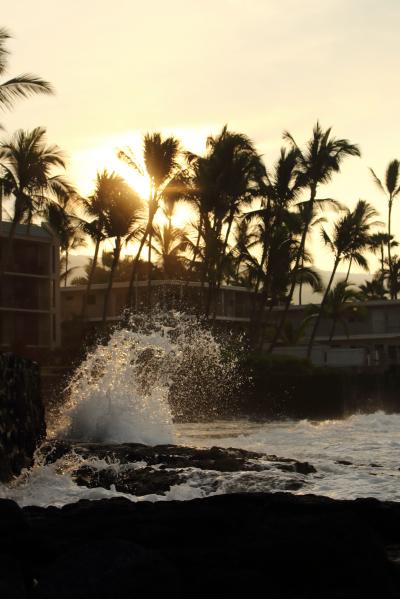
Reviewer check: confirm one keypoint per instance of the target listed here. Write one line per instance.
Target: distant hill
(78, 262)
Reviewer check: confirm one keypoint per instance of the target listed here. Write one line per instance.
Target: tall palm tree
(349, 236)
(228, 177)
(94, 209)
(27, 165)
(20, 86)
(321, 159)
(391, 189)
(122, 218)
(161, 165)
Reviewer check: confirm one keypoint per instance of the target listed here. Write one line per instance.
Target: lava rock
(106, 569)
(226, 545)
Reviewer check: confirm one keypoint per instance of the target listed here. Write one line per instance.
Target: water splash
(151, 369)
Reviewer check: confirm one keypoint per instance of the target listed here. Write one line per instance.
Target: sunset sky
(187, 67)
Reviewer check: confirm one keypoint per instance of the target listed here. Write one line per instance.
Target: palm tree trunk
(301, 283)
(195, 252)
(66, 267)
(90, 279)
(382, 260)
(135, 265)
(149, 271)
(348, 270)
(117, 251)
(220, 262)
(317, 321)
(392, 294)
(299, 256)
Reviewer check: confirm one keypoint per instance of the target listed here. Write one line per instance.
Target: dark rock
(228, 545)
(108, 569)
(22, 424)
(344, 462)
(144, 481)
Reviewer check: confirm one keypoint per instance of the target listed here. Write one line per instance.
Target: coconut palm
(169, 245)
(392, 276)
(21, 86)
(362, 216)
(69, 230)
(94, 211)
(378, 242)
(161, 165)
(373, 290)
(339, 305)
(349, 237)
(391, 189)
(122, 219)
(27, 164)
(316, 165)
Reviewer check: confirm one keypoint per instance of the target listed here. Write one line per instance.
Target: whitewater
(123, 392)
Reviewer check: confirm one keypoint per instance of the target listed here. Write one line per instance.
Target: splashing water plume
(129, 389)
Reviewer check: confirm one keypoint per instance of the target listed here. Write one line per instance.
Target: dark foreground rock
(144, 469)
(247, 545)
(22, 424)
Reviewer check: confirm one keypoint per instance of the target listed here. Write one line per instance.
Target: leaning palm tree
(161, 165)
(348, 237)
(321, 159)
(122, 219)
(27, 165)
(391, 188)
(21, 86)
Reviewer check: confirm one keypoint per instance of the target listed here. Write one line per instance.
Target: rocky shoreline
(142, 470)
(274, 545)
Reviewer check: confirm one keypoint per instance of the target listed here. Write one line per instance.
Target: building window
(92, 299)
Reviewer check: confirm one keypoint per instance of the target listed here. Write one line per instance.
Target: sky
(187, 67)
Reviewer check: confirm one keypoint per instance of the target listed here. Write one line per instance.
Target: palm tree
(161, 165)
(169, 245)
(349, 237)
(378, 242)
(122, 211)
(95, 208)
(27, 164)
(392, 276)
(373, 290)
(228, 177)
(21, 86)
(391, 188)
(339, 305)
(362, 216)
(68, 228)
(316, 166)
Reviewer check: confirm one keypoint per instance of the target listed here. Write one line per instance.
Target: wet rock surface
(239, 545)
(144, 470)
